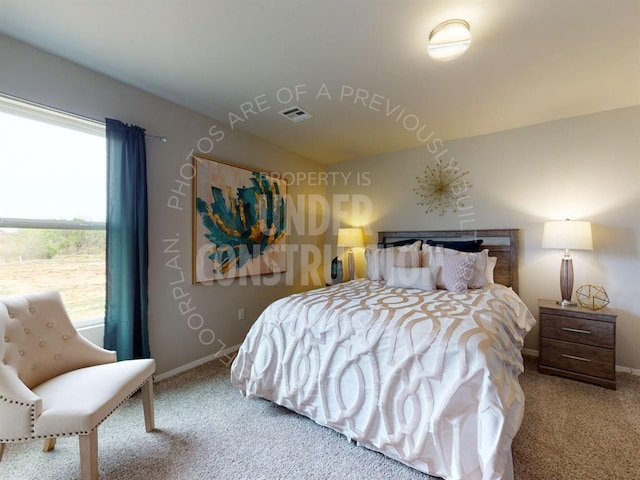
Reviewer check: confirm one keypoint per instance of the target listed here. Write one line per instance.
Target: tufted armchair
(54, 382)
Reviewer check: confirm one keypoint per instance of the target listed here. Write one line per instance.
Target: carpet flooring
(207, 430)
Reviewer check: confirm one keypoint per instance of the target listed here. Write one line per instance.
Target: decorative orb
(592, 297)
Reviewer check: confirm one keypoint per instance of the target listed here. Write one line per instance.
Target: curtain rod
(84, 118)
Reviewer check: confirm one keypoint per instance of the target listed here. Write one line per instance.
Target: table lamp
(567, 235)
(349, 238)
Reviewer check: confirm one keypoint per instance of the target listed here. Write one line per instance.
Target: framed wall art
(239, 221)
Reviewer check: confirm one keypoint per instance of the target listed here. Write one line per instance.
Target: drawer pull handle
(573, 357)
(575, 330)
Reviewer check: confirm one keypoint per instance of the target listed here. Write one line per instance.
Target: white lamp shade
(567, 235)
(350, 237)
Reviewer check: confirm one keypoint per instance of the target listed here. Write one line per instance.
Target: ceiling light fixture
(449, 40)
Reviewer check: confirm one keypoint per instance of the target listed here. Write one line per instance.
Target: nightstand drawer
(586, 359)
(579, 330)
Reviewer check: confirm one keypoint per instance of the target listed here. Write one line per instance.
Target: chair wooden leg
(49, 444)
(89, 456)
(147, 405)
(1, 450)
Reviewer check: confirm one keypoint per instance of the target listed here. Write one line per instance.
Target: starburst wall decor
(442, 187)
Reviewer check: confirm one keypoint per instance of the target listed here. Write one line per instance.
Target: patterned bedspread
(427, 378)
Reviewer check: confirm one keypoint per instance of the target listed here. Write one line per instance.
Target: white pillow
(423, 278)
(380, 260)
(491, 265)
(374, 260)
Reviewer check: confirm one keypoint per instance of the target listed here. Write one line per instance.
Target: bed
(429, 378)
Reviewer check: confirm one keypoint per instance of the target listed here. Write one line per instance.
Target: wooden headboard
(503, 244)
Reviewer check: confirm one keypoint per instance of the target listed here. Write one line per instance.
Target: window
(53, 207)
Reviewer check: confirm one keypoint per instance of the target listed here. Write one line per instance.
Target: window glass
(53, 207)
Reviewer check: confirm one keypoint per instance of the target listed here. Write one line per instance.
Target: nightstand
(578, 343)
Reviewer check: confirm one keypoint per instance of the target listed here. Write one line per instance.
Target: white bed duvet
(427, 378)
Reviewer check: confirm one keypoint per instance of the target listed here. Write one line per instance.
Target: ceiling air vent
(295, 114)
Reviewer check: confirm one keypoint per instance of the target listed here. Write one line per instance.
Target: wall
(584, 168)
(175, 341)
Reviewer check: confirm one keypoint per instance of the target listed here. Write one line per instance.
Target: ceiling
(360, 67)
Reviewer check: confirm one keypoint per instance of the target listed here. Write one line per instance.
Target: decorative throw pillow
(425, 254)
(478, 278)
(406, 257)
(455, 271)
(402, 243)
(460, 245)
(423, 278)
(379, 260)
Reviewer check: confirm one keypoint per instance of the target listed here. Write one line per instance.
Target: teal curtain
(126, 329)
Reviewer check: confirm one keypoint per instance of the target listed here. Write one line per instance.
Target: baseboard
(535, 353)
(632, 371)
(196, 363)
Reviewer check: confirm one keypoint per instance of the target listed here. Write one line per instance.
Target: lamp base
(566, 303)
(351, 265)
(566, 282)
